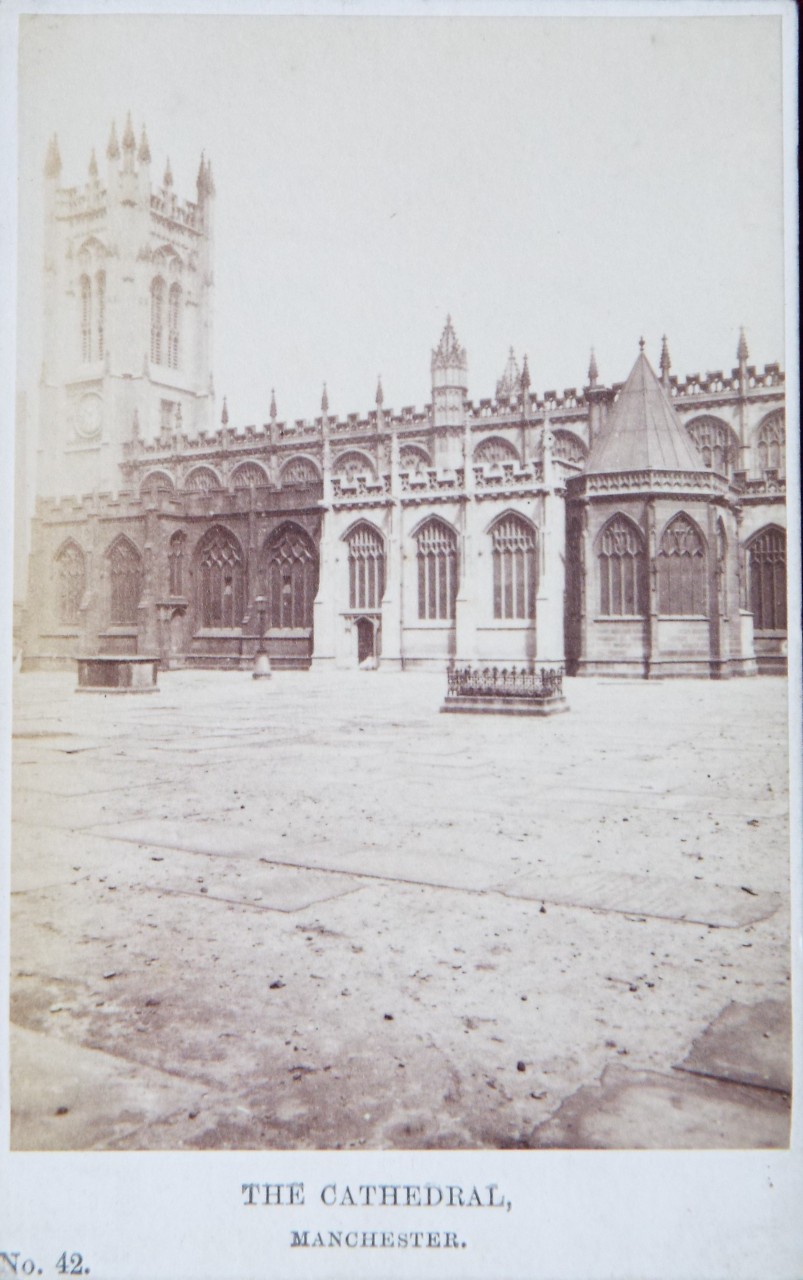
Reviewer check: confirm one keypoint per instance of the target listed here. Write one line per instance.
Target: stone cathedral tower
(128, 315)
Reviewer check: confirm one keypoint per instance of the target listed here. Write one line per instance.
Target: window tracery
(681, 565)
(621, 570)
(125, 571)
(767, 574)
(514, 569)
(220, 598)
(437, 571)
(366, 568)
(71, 574)
(175, 562)
(292, 579)
(771, 444)
(157, 319)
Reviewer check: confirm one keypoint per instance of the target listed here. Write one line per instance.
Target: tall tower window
(173, 323)
(100, 284)
(682, 570)
(513, 541)
(157, 319)
(437, 571)
(86, 319)
(621, 570)
(366, 568)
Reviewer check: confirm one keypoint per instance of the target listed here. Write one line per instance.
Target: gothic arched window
(292, 578)
(175, 563)
(366, 568)
(437, 570)
(716, 442)
(682, 588)
(71, 574)
(173, 325)
(249, 475)
(157, 319)
(513, 542)
(621, 569)
(219, 580)
(771, 444)
(86, 319)
(125, 571)
(767, 573)
(352, 464)
(299, 471)
(496, 450)
(100, 286)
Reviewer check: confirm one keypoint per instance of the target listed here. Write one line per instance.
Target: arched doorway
(367, 643)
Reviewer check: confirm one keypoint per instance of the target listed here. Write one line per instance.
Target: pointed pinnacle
(324, 400)
(144, 153)
(224, 417)
(380, 395)
(200, 181)
(272, 403)
(742, 354)
(525, 376)
(666, 363)
(167, 180)
(112, 149)
(129, 141)
(593, 371)
(93, 165)
(210, 181)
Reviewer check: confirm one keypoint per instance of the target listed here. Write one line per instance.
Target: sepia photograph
(403, 624)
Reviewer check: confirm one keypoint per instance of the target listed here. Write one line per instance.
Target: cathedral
(634, 529)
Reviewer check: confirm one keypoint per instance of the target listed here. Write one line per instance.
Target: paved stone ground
(313, 912)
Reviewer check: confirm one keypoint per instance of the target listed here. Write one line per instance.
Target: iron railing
(495, 682)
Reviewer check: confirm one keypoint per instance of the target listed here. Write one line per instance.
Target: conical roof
(643, 432)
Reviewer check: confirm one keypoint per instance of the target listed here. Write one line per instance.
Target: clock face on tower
(89, 418)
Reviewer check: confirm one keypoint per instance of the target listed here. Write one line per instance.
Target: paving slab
(746, 1044)
(71, 1098)
(640, 1109)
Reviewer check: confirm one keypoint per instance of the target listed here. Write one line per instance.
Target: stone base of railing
(505, 692)
(118, 673)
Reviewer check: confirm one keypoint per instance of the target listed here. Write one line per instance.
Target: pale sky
(552, 183)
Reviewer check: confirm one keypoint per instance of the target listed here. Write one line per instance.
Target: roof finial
(93, 165)
(224, 417)
(129, 141)
(525, 376)
(272, 405)
(167, 180)
(112, 149)
(593, 371)
(380, 395)
(144, 153)
(324, 401)
(641, 344)
(666, 363)
(742, 354)
(53, 159)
